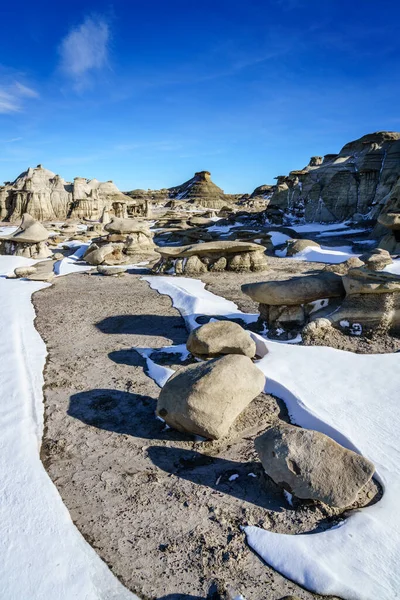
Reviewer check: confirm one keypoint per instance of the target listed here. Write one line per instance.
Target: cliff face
(336, 187)
(47, 196)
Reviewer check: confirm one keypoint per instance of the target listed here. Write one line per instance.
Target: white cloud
(12, 96)
(85, 48)
(26, 91)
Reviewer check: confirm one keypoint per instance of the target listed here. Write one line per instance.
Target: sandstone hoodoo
(29, 240)
(47, 196)
(220, 337)
(289, 303)
(310, 465)
(205, 399)
(211, 256)
(200, 190)
(389, 219)
(354, 183)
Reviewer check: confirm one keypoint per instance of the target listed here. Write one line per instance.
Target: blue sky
(147, 93)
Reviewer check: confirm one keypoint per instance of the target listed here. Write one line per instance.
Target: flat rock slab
(209, 248)
(297, 290)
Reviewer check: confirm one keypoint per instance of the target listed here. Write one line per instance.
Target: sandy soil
(156, 505)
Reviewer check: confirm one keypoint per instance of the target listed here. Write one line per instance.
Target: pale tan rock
(29, 232)
(220, 337)
(206, 398)
(194, 265)
(310, 465)
(125, 226)
(209, 249)
(296, 246)
(111, 270)
(364, 281)
(24, 271)
(297, 290)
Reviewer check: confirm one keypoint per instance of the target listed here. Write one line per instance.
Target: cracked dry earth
(157, 506)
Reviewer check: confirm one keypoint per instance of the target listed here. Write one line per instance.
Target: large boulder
(296, 246)
(297, 290)
(124, 226)
(107, 255)
(220, 337)
(206, 398)
(310, 465)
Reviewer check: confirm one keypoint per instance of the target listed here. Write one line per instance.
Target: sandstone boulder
(297, 290)
(205, 399)
(24, 271)
(125, 226)
(110, 270)
(108, 255)
(377, 259)
(310, 465)
(364, 281)
(296, 246)
(220, 337)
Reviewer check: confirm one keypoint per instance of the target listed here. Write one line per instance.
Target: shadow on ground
(252, 484)
(122, 412)
(146, 325)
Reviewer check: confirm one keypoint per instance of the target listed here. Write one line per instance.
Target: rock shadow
(172, 327)
(121, 412)
(215, 473)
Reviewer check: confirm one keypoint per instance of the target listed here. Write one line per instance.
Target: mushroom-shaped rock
(297, 290)
(124, 226)
(205, 399)
(209, 249)
(202, 257)
(296, 246)
(312, 466)
(29, 232)
(220, 337)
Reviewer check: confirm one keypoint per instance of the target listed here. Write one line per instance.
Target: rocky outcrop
(200, 190)
(211, 256)
(47, 196)
(356, 183)
(310, 465)
(205, 399)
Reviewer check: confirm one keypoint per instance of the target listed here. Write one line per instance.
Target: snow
(353, 399)
(394, 267)
(289, 497)
(278, 238)
(192, 300)
(159, 373)
(70, 264)
(42, 554)
(331, 256)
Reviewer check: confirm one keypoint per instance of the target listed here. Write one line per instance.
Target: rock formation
(47, 196)
(220, 337)
(29, 240)
(355, 183)
(200, 190)
(206, 398)
(312, 466)
(211, 256)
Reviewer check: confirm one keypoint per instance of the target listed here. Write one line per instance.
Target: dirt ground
(157, 506)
